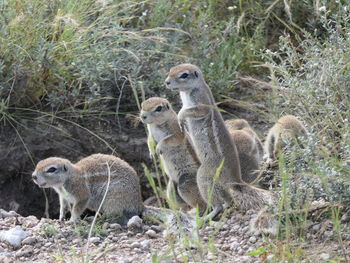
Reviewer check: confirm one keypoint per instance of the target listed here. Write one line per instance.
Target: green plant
(48, 231)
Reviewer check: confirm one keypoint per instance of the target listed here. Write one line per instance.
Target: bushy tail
(252, 198)
(248, 197)
(177, 224)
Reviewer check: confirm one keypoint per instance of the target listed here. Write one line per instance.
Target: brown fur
(179, 159)
(84, 183)
(249, 148)
(212, 142)
(286, 128)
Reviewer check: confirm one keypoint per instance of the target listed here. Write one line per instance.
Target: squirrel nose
(143, 117)
(167, 82)
(34, 177)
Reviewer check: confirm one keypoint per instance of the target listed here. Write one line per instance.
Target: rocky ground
(28, 239)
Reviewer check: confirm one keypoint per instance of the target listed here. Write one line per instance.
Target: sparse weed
(48, 231)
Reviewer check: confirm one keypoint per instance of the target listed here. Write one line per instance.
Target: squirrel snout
(34, 176)
(167, 82)
(143, 117)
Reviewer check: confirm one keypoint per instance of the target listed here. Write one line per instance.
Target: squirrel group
(208, 162)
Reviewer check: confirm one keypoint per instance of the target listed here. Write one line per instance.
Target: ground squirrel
(286, 128)
(213, 144)
(84, 183)
(249, 147)
(175, 150)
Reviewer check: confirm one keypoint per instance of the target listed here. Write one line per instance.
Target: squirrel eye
(183, 76)
(159, 108)
(51, 170)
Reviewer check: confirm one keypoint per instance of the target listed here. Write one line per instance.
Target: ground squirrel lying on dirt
(286, 128)
(84, 184)
(179, 159)
(213, 144)
(249, 147)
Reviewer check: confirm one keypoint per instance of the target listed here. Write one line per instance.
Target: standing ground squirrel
(173, 145)
(286, 128)
(84, 184)
(213, 144)
(249, 147)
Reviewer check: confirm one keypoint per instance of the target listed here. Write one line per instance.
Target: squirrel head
(184, 77)
(156, 110)
(237, 124)
(51, 172)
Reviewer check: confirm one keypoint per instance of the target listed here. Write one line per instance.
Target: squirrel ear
(65, 168)
(196, 74)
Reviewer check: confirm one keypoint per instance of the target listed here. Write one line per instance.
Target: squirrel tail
(252, 198)
(177, 224)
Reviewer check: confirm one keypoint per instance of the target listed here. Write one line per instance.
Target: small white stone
(252, 239)
(316, 227)
(234, 245)
(325, 256)
(145, 244)
(135, 222)
(14, 236)
(151, 233)
(4, 213)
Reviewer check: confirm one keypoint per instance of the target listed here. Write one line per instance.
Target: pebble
(252, 239)
(5, 214)
(125, 260)
(324, 256)
(157, 228)
(14, 236)
(328, 233)
(135, 245)
(115, 226)
(5, 254)
(257, 233)
(95, 240)
(25, 251)
(151, 233)
(137, 250)
(134, 222)
(316, 227)
(30, 221)
(47, 244)
(234, 245)
(145, 244)
(29, 241)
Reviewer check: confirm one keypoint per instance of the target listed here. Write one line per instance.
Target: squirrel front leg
(169, 141)
(78, 209)
(62, 207)
(195, 112)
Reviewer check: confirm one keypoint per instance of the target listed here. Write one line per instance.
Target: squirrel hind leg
(216, 211)
(174, 197)
(189, 192)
